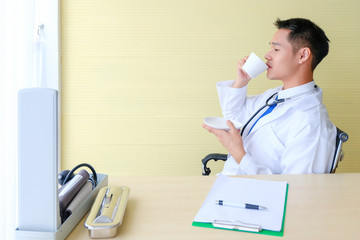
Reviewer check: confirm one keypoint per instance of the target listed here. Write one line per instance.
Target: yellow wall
(139, 76)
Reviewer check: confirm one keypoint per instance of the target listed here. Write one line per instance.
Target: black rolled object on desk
(70, 189)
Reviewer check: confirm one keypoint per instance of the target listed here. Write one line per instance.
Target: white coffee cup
(254, 65)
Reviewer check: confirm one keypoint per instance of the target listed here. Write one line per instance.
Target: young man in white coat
(294, 135)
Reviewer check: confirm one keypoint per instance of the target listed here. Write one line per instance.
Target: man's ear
(304, 54)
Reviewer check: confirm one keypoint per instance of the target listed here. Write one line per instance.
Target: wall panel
(139, 76)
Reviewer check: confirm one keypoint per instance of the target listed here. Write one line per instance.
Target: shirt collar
(291, 92)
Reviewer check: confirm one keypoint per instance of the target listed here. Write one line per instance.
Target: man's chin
(269, 76)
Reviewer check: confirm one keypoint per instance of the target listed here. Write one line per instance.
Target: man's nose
(267, 56)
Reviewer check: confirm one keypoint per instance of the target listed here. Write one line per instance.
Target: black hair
(305, 33)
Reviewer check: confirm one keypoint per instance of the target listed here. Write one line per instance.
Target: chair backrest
(341, 137)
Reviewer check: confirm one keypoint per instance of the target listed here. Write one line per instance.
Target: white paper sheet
(270, 194)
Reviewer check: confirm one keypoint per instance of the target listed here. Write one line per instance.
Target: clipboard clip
(237, 225)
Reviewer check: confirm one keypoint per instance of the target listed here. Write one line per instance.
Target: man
(294, 135)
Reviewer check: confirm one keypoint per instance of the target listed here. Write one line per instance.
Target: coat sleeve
(311, 146)
(232, 100)
(235, 104)
(246, 167)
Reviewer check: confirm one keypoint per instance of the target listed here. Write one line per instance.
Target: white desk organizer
(38, 203)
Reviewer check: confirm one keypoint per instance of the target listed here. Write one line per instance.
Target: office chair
(341, 137)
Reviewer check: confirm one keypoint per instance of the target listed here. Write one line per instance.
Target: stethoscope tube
(267, 104)
(276, 101)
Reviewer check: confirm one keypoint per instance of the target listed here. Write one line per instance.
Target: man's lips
(269, 66)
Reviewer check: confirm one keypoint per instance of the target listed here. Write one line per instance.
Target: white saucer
(220, 123)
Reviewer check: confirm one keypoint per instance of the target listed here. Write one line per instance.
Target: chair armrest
(213, 156)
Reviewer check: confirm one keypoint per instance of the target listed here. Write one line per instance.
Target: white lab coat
(297, 137)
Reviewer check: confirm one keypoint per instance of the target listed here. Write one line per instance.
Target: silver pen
(240, 205)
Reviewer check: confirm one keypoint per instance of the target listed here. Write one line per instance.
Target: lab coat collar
(292, 92)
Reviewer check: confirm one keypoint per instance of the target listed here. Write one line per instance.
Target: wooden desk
(319, 207)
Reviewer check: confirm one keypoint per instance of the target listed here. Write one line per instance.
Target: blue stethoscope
(268, 104)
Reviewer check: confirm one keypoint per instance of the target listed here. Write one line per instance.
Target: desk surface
(319, 207)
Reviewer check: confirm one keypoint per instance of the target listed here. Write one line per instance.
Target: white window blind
(17, 25)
